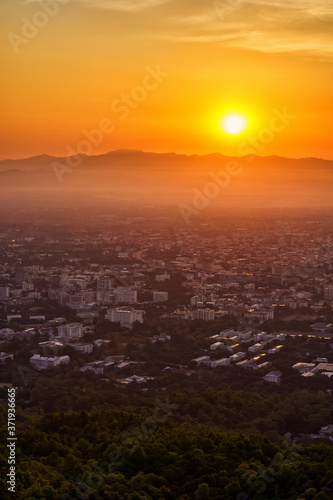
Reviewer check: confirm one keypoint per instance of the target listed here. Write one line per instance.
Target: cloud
(303, 27)
(123, 5)
(274, 26)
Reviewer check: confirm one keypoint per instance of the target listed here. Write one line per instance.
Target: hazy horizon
(168, 152)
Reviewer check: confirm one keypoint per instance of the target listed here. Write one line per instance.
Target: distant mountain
(255, 180)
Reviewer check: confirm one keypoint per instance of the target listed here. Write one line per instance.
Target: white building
(7, 333)
(281, 336)
(260, 336)
(43, 363)
(202, 360)
(160, 296)
(71, 331)
(273, 377)
(162, 337)
(204, 314)
(229, 333)
(126, 316)
(220, 362)
(197, 299)
(238, 356)
(99, 367)
(255, 348)
(162, 277)
(4, 356)
(245, 335)
(216, 345)
(83, 348)
(233, 348)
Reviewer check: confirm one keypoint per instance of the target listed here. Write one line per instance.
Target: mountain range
(270, 180)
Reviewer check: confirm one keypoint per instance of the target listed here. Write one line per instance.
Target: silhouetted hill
(256, 180)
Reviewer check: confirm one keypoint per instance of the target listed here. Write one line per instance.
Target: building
(134, 378)
(304, 367)
(202, 360)
(320, 360)
(328, 292)
(96, 366)
(71, 331)
(275, 350)
(273, 377)
(103, 295)
(245, 335)
(7, 333)
(160, 296)
(4, 357)
(204, 314)
(260, 315)
(43, 362)
(162, 337)
(256, 348)
(123, 295)
(238, 356)
(162, 277)
(249, 364)
(231, 333)
(322, 327)
(4, 292)
(260, 336)
(99, 367)
(220, 362)
(198, 299)
(327, 367)
(233, 347)
(126, 316)
(216, 345)
(83, 348)
(75, 301)
(104, 283)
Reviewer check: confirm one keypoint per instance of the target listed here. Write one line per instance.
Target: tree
(202, 492)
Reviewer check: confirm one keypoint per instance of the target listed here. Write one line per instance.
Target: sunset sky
(166, 73)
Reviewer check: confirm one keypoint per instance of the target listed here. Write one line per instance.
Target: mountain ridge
(117, 152)
(247, 179)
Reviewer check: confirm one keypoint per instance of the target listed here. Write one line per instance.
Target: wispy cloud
(123, 5)
(303, 27)
(117, 5)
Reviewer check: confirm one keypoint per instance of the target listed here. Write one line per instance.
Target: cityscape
(166, 250)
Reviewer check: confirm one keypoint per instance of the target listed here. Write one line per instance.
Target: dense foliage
(189, 433)
(152, 455)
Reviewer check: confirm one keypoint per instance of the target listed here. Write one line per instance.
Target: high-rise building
(126, 316)
(104, 283)
(71, 331)
(204, 314)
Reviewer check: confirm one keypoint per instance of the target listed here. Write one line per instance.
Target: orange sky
(158, 75)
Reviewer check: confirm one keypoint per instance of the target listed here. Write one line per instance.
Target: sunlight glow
(234, 124)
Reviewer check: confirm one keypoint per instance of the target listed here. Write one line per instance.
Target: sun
(234, 124)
